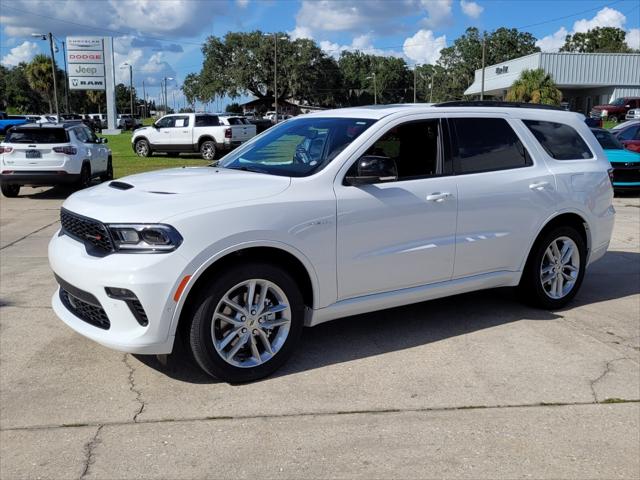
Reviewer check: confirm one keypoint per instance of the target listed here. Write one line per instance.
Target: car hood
(151, 197)
(622, 156)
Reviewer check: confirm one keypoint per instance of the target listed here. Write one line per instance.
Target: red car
(616, 110)
(629, 136)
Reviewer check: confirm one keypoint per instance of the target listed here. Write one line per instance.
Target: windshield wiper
(249, 169)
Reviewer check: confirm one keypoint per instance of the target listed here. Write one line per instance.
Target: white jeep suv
(329, 215)
(52, 154)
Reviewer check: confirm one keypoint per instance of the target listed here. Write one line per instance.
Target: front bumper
(153, 278)
(39, 178)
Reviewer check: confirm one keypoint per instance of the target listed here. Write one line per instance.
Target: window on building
(486, 144)
(560, 141)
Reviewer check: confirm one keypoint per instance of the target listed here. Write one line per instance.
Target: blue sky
(163, 37)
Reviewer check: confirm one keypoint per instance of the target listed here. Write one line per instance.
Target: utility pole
(375, 88)
(415, 82)
(66, 79)
(131, 88)
(144, 98)
(483, 59)
(53, 69)
(433, 74)
(275, 74)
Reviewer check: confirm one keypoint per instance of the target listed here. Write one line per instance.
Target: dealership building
(585, 79)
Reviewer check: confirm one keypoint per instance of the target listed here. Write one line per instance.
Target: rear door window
(207, 121)
(560, 141)
(486, 144)
(629, 133)
(37, 135)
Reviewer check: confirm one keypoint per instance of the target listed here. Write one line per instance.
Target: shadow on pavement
(376, 333)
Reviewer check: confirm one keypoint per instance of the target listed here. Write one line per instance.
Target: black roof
(492, 103)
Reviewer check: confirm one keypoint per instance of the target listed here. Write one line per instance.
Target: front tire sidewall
(205, 146)
(108, 175)
(10, 191)
(531, 285)
(200, 340)
(85, 177)
(143, 152)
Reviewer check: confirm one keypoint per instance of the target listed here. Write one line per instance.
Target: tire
(10, 191)
(248, 334)
(142, 147)
(558, 290)
(85, 177)
(208, 150)
(613, 119)
(108, 175)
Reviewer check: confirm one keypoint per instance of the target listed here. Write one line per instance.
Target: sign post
(90, 67)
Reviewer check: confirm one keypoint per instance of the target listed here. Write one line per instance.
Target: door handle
(539, 186)
(438, 197)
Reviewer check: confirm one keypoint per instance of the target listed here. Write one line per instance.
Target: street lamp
(130, 84)
(166, 100)
(275, 70)
(43, 36)
(375, 87)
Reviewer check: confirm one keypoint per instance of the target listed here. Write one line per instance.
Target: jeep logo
(92, 71)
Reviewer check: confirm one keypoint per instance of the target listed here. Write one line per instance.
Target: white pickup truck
(188, 133)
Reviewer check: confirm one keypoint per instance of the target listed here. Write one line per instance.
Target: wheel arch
(205, 138)
(279, 254)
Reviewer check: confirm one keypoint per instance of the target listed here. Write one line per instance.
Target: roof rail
(491, 103)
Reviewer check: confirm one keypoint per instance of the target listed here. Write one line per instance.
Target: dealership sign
(85, 57)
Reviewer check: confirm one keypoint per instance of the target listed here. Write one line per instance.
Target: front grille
(92, 314)
(626, 174)
(86, 230)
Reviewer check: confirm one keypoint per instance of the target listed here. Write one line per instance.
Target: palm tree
(96, 97)
(39, 77)
(535, 86)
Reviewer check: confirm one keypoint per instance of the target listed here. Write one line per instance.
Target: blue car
(625, 163)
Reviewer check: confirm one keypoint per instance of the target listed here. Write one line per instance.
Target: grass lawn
(126, 162)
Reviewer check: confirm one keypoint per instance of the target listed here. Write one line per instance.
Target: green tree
(535, 86)
(40, 78)
(233, 108)
(96, 99)
(16, 95)
(599, 39)
(431, 84)
(123, 99)
(191, 88)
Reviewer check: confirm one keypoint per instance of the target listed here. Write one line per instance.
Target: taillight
(610, 172)
(68, 150)
(227, 133)
(4, 149)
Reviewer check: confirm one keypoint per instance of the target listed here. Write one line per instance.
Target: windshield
(37, 135)
(618, 101)
(607, 140)
(299, 147)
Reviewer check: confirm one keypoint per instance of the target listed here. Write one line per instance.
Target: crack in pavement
(89, 451)
(607, 370)
(28, 235)
(328, 413)
(133, 388)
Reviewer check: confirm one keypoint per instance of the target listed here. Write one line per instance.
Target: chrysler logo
(96, 238)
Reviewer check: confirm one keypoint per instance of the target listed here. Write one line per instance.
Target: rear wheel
(142, 148)
(108, 175)
(208, 150)
(555, 268)
(10, 191)
(247, 323)
(85, 176)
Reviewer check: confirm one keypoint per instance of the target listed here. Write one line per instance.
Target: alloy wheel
(560, 267)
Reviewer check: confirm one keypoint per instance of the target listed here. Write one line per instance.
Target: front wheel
(142, 148)
(555, 269)
(10, 191)
(208, 150)
(247, 323)
(108, 174)
(85, 176)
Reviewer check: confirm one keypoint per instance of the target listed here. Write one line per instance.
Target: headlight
(148, 238)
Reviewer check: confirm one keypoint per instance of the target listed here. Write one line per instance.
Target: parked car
(629, 135)
(8, 121)
(616, 110)
(333, 214)
(633, 114)
(625, 163)
(38, 119)
(93, 124)
(236, 120)
(52, 154)
(190, 132)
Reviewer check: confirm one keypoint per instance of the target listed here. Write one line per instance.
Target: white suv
(329, 215)
(52, 154)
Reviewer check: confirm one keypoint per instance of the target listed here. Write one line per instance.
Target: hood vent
(120, 185)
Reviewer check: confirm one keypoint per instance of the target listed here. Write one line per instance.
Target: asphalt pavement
(473, 386)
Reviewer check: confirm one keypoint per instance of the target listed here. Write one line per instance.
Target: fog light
(120, 293)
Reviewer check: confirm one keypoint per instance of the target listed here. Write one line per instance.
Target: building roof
(569, 70)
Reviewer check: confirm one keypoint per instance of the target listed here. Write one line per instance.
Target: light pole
(375, 88)
(53, 68)
(144, 97)
(275, 71)
(415, 82)
(483, 54)
(166, 100)
(130, 84)
(66, 78)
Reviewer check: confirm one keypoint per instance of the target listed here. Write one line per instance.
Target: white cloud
(439, 12)
(22, 53)
(364, 43)
(424, 47)
(633, 38)
(300, 32)
(553, 43)
(471, 9)
(242, 3)
(607, 17)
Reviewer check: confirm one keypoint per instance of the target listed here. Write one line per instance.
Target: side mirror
(154, 125)
(371, 169)
(105, 140)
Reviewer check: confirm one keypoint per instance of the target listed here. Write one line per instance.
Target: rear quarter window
(560, 141)
(37, 135)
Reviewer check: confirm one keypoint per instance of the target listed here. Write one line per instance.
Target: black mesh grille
(93, 314)
(626, 174)
(86, 230)
(138, 312)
